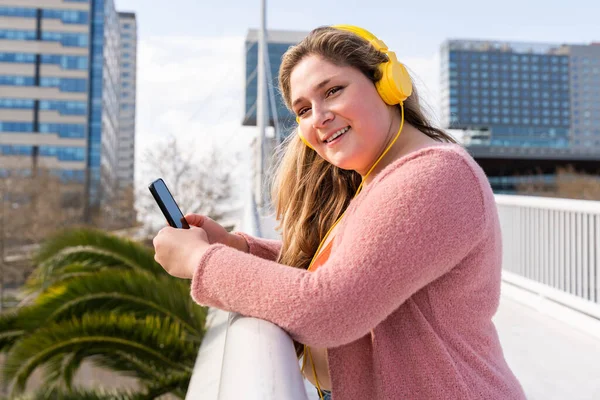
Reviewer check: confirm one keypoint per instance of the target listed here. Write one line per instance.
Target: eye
(333, 90)
(303, 111)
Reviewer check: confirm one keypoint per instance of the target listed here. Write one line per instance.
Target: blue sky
(190, 57)
(414, 28)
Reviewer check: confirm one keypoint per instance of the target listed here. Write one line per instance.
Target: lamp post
(4, 196)
(2, 242)
(4, 193)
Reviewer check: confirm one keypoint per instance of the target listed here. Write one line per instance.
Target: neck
(397, 149)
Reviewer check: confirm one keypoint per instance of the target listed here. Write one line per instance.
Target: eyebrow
(319, 86)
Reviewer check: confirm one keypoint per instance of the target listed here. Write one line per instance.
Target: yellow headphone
(394, 86)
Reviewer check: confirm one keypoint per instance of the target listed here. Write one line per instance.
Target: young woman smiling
(388, 272)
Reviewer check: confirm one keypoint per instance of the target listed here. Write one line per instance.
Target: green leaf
(92, 248)
(128, 292)
(159, 342)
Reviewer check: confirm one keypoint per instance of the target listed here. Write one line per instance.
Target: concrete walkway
(552, 359)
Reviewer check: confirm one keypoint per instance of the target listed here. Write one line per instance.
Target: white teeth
(338, 134)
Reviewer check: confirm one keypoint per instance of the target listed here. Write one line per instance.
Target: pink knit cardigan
(405, 301)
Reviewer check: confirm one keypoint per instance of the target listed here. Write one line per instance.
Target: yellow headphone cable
(306, 348)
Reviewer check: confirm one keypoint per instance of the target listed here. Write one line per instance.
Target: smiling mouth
(337, 134)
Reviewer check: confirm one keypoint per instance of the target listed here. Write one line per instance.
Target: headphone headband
(395, 84)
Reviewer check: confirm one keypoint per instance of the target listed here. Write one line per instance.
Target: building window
(65, 84)
(66, 39)
(8, 80)
(64, 107)
(13, 34)
(67, 16)
(16, 127)
(66, 62)
(21, 104)
(19, 12)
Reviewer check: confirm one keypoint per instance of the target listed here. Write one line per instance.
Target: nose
(321, 116)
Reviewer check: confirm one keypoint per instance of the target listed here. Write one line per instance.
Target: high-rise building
(506, 94)
(60, 85)
(527, 110)
(44, 75)
(126, 142)
(103, 106)
(585, 95)
(277, 43)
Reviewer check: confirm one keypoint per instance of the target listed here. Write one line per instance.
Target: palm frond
(160, 342)
(128, 364)
(176, 384)
(128, 292)
(10, 329)
(79, 394)
(70, 366)
(92, 246)
(65, 270)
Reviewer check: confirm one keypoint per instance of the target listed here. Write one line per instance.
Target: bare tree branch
(200, 182)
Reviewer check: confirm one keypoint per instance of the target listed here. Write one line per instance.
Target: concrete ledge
(578, 313)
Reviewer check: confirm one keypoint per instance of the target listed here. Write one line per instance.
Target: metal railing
(243, 357)
(552, 247)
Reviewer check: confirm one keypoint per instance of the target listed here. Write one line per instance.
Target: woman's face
(331, 101)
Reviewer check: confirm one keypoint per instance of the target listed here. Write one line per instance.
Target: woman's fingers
(195, 219)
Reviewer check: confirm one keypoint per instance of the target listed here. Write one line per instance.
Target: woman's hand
(179, 251)
(216, 233)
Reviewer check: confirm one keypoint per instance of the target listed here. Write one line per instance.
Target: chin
(344, 163)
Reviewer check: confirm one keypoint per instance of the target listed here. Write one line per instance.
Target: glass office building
(520, 94)
(585, 95)
(103, 106)
(59, 92)
(277, 42)
(43, 88)
(127, 97)
(507, 94)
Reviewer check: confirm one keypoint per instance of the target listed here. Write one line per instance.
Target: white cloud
(426, 75)
(193, 88)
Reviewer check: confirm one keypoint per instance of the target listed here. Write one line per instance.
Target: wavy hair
(309, 193)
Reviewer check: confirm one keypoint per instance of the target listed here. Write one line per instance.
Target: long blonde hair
(308, 192)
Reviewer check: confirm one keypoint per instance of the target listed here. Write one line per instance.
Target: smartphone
(167, 204)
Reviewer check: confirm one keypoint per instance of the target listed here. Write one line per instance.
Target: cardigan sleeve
(416, 221)
(264, 248)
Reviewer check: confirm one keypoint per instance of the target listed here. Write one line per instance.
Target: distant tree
(35, 206)
(122, 209)
(569, 184)
(200, 182)
(577, 185)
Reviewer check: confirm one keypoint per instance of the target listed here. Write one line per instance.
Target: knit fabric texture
(405, 301)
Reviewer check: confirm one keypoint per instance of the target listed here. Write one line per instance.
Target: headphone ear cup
(395, 85)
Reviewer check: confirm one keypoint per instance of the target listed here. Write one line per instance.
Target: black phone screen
(168, 205)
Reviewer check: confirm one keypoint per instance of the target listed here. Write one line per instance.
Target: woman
(396, 224)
